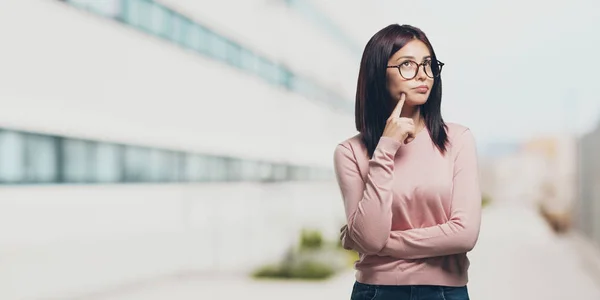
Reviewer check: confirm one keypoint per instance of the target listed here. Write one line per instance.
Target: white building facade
(144, 138)
(587, 218)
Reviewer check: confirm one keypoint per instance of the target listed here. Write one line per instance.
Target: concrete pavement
(517, 257)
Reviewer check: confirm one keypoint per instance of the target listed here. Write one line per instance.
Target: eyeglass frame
(440, 65)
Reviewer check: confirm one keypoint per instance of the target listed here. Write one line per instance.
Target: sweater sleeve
(461, 232)
(367, 203)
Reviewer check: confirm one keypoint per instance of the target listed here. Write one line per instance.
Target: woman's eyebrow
(407, 56)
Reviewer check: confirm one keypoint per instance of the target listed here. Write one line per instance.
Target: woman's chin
(415, 100)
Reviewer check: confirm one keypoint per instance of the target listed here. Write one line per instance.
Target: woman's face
(414, 82)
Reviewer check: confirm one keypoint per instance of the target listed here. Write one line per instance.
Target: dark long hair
(373, 101)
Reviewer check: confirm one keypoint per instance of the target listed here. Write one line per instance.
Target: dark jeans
(363, 291)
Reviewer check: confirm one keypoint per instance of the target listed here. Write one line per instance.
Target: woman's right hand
(345, 239)
(399, 128)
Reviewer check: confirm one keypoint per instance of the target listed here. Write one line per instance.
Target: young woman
(409, 180)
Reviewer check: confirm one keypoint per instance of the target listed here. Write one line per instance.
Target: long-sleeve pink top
(412, 212)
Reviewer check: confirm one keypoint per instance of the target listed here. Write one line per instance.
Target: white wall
(588, 202)
(68, 240)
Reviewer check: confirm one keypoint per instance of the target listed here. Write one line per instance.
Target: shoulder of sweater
(351, 142)
(352, 146)
(458, 135)
(456, 131)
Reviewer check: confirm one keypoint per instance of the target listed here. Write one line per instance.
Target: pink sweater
(412, 213)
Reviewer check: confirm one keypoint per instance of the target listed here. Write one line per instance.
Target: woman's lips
(422, 89)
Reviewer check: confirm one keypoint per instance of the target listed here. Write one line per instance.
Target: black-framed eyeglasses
(409, 69)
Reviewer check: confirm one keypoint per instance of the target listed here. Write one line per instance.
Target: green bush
(352, 257)
(270, 271)
(311, 240)
(485, 200)
(310, 260)
(311, 270)
(306, 270)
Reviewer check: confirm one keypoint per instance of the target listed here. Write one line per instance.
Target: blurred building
(490, 155)
(540, 171)
(143, 138)
(558, 172)
(588, 205)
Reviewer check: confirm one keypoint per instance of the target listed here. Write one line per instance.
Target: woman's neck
(414, 112)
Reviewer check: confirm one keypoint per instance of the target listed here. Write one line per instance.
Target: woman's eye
(406, 64)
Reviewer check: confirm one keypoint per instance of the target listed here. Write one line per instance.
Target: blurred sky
(514, 69)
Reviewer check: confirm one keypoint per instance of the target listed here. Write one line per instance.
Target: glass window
(137, 167)
(108, 163)
(296, 173)
(268, 71)
(11, 157)
(77, 161)
(249, 61)
(298, 85)
(131, 13)
(285, 77)
(192, 37)
(196, 168)
(37, 158)
(217, 168)
(41, 158)
(328, 174)
(107, 8)
(234, 169)
(200, 38)
(145, 16)
(78, 3)
(138, 13)
(160, 18)
(180, 30)
(310, 90)
(175, 169)
(234, 54)
(302, 7)
(163, 166)
(204, 37)
(157, 167)
(318, 174)
(316, 16)
(280, 172)
(250, 170)
(218, 47)
(265, 171)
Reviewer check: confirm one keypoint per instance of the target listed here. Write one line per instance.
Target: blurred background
(182, 149)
